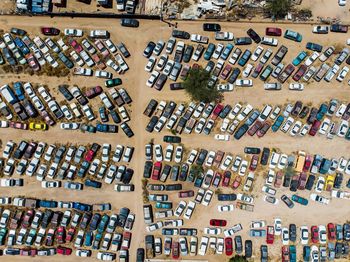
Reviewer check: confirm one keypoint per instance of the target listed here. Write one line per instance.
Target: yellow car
(329, 182)
(37, 126)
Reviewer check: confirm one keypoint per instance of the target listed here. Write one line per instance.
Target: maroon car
(32, 62)
(228, 246)
(218, 108)
(288, 70)
(27, 218)
(187, 193)
(227, 178)
(300, 73)
(175, 250)
(218, 222)
(61, 235)
(75, 45)
(50, 31)
(307, 164)
(93, 92)
(302, 181)
(273, 31)
(262, 131)
(252, 130)
(227, 70)
(157, 167)
(254, 163)
(314, 128)
(18, 125)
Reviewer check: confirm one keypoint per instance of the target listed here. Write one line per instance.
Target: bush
(196, 86)
(278, 8)
(238, 258)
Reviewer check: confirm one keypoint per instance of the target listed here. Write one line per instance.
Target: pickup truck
(150, 107)
(244, 206)
(223, 36)
(82, 71)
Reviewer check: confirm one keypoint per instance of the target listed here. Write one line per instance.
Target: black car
(265, 156)
(233, 77)
(65, 92)
(173, 187)
(147, 170)
(176, 86)
(337, 28)
(297, 107)
(243, 41)
(127, 130)
(201, 157)
(65, 60)
(286, 181)
(304, 111)
(172, 139)
(248, 247)
(254, 35)
(175, 170)
(241, 131)
(123, 215)
(287, 201)
(211, 27)
(181, 34)
(227, 197)
(18, 31)
(338, 180)
(151, 124)
(310, 182)
(122, 48)
(129, 22)
(238, 244)
(252, 150)
(188, 53)
(127, 176)
(224, 112)
(149, 49)
(264, 254)
(19, 152)
(140, 255)
(46, 218)
(115, 116)
(8, 56)
(183, 172)
(294, 185)
(292, 232)
(312, 116)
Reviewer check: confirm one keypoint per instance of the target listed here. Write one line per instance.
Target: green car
(300, 200)
(292, 253)
(103, 224)
(301, 56)
(172, 139)
(164, 205)
(292, 35)
(31, 237)
(113, 82)
(3, 233)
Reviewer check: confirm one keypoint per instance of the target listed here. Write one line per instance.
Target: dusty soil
(134, 82)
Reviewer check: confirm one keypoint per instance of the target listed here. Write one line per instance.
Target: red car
(314, 234)
(227, 70)
(50, 31)
(302, 181)
(308, 162)
(70, 234)
(270, 236)
(27, 218)
(227, 178)
(278, 179)
(75, 45)
(103, 50)
(237, 182)
(285, 254)
(228, 246)
(92, 152)
(262, 131)
(254, 163)
(28, 252)
(274, 31)
(175, 250)
(252, 130)
(93, 92)
(64, 251)
(314, 128)
(61, 235)
(218, 108)
(187, 193)
(18, 125)
(331, 231)
(157, 167)
(126, 240)
(32, 62)
(300, 73)
(218, 222)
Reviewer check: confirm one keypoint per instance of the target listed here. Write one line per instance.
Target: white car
(178, 154)
(322, 234)
(342, 74)
(304, 130)
(103, 74)
(319, 198)
(169, 153)
(212, 231)
(278, 226)
(243, 168)
(247, 70)
(286, 125)
(152, 79)
(274, 160)
(192, 156)
(312, 58)
(158, 152)
(257, 224)
(190, 208)
(221, 137)
(8, 149)
(343, 128)
(226, 163)
(73, 32)
(218, 51)
(258, 51)
(50, 184)
(285, 236)
(225, 208)
(282, 162)
(49, 58)
(207, 197)
(225, 87)
(150, 64)
(296, 86)
(341, 2)
(244, 82)
(304, 235)
(210, 158)
(180, 208)
(69, 126)
(295, 129)
(324, 126)
(234, 112)
(106, 148)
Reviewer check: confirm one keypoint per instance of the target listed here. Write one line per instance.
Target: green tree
(196, 86)
(238, 258)
(197, 170)
(289, 171)
(278, 8)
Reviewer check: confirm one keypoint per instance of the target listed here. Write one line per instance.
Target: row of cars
(52, 229)
(37, 52)
(28, 104)
(51, 164)
(240, 119)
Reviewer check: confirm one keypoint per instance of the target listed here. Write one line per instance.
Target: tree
(196, 86)
(197, 170)
(278, 8)
(238, 258)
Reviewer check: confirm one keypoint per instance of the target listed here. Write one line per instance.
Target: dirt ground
(134, 81)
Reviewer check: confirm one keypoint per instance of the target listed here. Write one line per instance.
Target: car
(292, 35)
(211, 27)
(254, 35)
(129, 22)
(113, 82)
(314, 47)
(338, 28)
(273, 31)
(319, 29)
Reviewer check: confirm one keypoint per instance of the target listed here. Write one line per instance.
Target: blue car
(276, 125)
(199, 180)
(292, 35)
(325, 166)
(301, 56)
(227, 197)
(81, 206)
(19, 90)
(106, 128)
(92, 183)
(314, 47)
(83, 168)
(244, 58)
(228, 49)
(306, 253)
(252, 117)
(88, 239)
(19, 43)
(209, 52)
(321, 112)
(48, 204)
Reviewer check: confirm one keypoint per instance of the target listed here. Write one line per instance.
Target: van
(300, 161)
(321, 72)
(99, 34)
(8, 94)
